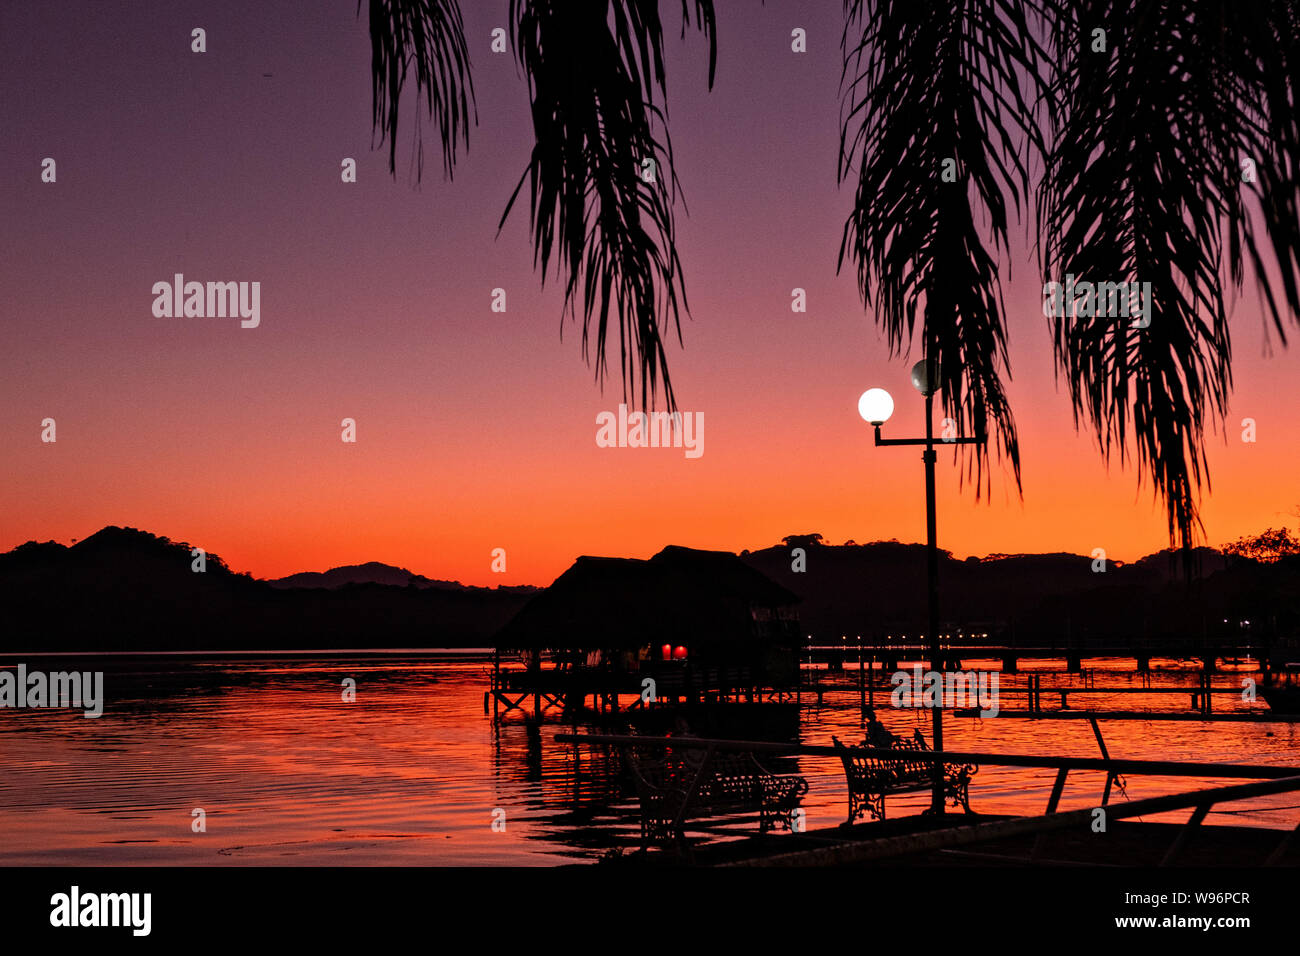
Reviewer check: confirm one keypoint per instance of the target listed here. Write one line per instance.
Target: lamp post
(876, 406)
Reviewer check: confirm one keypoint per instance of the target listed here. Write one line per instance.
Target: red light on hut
(667, 652)
(679, 653)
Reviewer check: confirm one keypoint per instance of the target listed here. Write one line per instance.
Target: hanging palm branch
(601, 183)
(430, 34)
(1260, 45)
(1144, 181)
(934, 86)
(1144, 184)
(1145, 147)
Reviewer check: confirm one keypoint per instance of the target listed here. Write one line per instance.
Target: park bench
(688, 783)
(870, 777)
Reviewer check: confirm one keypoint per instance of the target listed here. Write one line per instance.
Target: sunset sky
(476, 430)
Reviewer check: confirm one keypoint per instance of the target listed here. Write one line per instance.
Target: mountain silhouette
(126, 589)
(123, 589)
(879, 589)
(372, 572)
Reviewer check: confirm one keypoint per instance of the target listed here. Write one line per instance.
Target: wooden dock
(892, 653)
(926, 841)
(1032, 691)
(1105, 833)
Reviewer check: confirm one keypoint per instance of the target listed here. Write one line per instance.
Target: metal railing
(1269, 780)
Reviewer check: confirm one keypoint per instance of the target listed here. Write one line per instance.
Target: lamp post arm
(977, 440)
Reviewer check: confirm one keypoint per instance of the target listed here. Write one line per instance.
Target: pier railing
(1268, 780)
(1201, 801)
(1160, 768)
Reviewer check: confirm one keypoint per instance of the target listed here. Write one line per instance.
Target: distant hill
(125, 589)
(880, 588)
(372, 572)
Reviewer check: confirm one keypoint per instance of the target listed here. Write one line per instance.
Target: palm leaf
(1143, 184)
(1264, 42)
(431, 35)
(596, 82)
(928, 81)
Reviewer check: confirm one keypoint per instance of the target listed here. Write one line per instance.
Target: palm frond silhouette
(598, 202)
(925, 87)
(430, 34)
(1140, 136)
(1145, 180)
(1166, 153)
(600, 182)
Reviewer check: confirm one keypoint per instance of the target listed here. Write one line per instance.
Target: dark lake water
(412, 771)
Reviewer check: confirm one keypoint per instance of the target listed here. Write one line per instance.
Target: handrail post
(1057, 789)
(1110, 774)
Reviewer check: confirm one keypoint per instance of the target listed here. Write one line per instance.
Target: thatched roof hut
(709, 601)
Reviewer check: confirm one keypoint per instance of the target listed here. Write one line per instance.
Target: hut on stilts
(686, 628)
